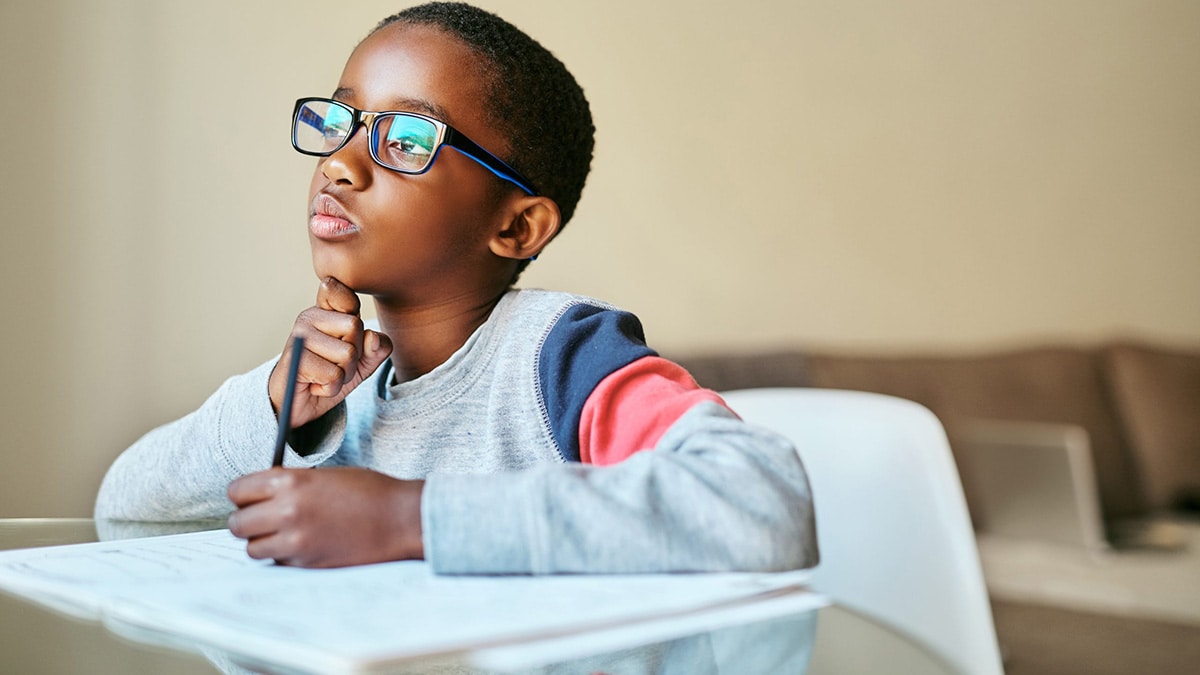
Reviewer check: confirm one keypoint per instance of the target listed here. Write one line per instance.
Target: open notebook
(201, 591)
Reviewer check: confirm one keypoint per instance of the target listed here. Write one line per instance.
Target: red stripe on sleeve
(632, 407)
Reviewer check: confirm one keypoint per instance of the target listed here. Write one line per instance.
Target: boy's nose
(351, 165)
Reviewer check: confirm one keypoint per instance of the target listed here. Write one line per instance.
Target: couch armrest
(1033, 480)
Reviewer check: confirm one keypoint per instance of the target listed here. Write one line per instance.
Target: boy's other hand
(338, 354)
(329, 517)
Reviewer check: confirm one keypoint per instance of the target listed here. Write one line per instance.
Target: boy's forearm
(715, 495)
(180, 470)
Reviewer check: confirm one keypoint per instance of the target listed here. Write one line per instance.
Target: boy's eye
(408, 146)
(407, 142)
(407, 153)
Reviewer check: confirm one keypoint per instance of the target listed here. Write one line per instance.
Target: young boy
(485, 429)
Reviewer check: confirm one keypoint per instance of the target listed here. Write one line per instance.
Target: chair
(895, 538)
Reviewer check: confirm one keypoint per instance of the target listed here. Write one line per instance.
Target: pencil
(285, 410)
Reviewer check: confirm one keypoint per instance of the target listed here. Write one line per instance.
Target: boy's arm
(715, 494)
(180, 471)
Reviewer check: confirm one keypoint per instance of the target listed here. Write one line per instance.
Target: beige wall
(917, 175)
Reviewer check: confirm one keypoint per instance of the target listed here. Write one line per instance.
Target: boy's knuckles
(335, 325)
(284, 481)
(337, 352)
(296, 541)
(350, 356)
(288, 513)
(307, 320)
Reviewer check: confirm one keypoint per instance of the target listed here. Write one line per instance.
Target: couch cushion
(1050, 384)
(1157, 396)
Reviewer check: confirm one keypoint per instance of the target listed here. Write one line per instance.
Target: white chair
(895, 538)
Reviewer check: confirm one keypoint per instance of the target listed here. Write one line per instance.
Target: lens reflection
(405, 142)
(321, 126)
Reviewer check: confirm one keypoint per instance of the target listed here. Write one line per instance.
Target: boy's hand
(338, 354)
(327, 517)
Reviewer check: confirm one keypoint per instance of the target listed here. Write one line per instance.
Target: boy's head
(431, 200)
(532, 99)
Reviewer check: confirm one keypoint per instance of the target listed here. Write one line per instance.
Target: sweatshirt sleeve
(660, 476)
(714, 494)
(180, 471)
(634, 406)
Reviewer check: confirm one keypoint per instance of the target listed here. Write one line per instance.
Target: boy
(485, 429)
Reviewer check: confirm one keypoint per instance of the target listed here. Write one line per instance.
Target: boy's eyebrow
(402, 104)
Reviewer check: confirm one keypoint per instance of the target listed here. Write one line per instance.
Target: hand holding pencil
(327, 517)
(333, 516)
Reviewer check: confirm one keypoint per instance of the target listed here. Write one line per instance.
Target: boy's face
(409, 239)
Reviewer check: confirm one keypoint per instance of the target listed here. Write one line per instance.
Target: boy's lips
(328, 219)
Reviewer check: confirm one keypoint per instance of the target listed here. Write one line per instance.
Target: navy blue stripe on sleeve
(586, 345)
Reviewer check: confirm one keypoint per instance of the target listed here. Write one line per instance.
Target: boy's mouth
(328, 220)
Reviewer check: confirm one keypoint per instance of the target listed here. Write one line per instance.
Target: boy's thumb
(376, 347)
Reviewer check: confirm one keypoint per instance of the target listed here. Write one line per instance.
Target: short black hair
(532, 99)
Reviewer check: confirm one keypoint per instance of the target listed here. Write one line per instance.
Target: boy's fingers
(336, 324)
(264, 547)
(253, 487)
(250, 522)
(341, 353)
(335, 296)
(320, 374)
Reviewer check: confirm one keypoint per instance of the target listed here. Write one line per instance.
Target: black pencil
(285, 410)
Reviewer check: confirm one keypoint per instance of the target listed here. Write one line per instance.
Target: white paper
(80, 578)
(204, 587)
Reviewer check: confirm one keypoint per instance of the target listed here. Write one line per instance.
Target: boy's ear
(531, 223)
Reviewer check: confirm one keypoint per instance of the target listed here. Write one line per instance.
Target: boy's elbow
(805, 553)
(779, 548)
(788, 520)
(775, 526)
(792, 541)
(775, 539)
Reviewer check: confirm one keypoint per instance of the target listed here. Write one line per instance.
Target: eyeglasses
(401, 141)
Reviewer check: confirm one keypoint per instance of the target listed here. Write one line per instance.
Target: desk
(35, 640)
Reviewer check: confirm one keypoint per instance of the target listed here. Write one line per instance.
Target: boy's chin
(325, 266)
(348, 277)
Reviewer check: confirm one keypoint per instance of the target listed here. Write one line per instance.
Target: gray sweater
(495, 432)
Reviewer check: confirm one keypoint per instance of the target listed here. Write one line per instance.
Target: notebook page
(79, 578)
(363, 618)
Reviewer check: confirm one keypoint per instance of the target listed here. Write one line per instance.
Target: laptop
(1032, 480)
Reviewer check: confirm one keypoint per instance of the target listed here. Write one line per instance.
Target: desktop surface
(827, 640)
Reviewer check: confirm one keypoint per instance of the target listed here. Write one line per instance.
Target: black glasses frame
(446, 135)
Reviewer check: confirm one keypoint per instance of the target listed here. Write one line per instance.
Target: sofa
(1137, 404)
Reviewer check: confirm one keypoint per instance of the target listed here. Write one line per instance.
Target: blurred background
(928, 175)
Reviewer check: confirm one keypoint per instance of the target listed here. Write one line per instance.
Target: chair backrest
(892, 525)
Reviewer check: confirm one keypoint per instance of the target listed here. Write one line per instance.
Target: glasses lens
(321, 126)
(405, 142)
